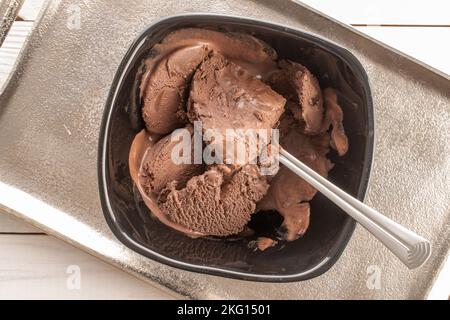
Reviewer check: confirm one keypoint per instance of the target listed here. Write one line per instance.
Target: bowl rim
(102, 168)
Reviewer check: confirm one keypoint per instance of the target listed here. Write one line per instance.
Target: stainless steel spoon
(410, 248)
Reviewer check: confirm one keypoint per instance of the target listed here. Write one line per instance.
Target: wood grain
(10, 224)
(40, 267)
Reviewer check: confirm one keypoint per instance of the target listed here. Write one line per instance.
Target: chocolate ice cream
(172, 63)
(334, 117)
(288, 193)
(229, 80)
(226, 96)
(302, 90)
(218, 202)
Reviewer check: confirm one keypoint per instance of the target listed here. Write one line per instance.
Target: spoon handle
(410, 248)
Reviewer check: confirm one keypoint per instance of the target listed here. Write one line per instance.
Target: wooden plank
(41, 267)
(398, 12)
(10, 224)
(429, 45)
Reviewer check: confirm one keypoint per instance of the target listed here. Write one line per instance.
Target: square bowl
(330, 228)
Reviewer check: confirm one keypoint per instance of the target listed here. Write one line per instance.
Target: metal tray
(50, 117)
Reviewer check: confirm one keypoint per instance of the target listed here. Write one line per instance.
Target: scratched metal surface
(50, 115)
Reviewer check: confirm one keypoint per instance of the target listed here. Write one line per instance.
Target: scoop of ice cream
(172, 63)
(334, 117)
(225, 97)
(251, 53)
(162, 165)
(218, 202)
(288, 193)
(164, 84)
(140, 153)
(302, 89)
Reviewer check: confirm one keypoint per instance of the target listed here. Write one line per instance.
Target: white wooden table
(36, 266)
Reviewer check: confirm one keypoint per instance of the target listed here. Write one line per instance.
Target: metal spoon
(410, 248)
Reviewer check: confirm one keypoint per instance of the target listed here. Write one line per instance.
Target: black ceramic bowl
(330, 228)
